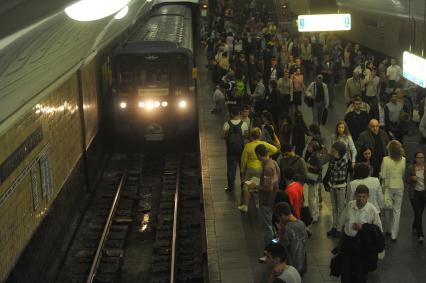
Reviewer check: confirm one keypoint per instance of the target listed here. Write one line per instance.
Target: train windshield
(152, 72)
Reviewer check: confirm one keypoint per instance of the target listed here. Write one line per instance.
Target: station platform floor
(233, 238)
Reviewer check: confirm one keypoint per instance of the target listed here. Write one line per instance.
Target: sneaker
(229, 190)
(421, 240)
(332, 232)
(243, 208)
(262, 259)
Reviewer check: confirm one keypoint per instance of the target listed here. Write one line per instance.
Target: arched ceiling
(42, 44)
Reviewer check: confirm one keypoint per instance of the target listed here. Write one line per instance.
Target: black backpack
(234, 138)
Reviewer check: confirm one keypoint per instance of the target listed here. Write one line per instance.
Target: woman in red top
(294, 191)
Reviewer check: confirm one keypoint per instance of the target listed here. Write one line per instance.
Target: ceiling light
(91, 10)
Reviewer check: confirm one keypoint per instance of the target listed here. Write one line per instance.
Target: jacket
(312, 92)
(409, 172)
(366, 139)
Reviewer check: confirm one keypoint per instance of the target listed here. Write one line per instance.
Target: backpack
(234, 138)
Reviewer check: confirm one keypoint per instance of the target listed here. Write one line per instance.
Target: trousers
(419, 203)
(317, 111)
(391, 217)
(313, 196)
(338, 201)
(232, 162)
(265, 223)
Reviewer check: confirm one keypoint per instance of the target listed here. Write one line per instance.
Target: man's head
(245, 112)
(393, 61)
(255, 133)
(235, 112)
(361, 171)
(319, 78)
(357, 103)
(298, 61)
(289, 174)
(261, 152)
(361, 195)
(275, 254)
(373, 73)
(374, 126)
(394, 98)
(287, 150)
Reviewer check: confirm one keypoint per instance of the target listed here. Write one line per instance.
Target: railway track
(120, 204)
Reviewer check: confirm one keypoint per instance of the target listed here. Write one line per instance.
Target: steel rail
(175, 222)
(101, 245)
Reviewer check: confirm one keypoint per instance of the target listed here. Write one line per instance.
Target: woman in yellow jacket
(251, 166)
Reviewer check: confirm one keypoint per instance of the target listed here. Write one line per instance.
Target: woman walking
(342, 134)
(416, 179)
(392, 173)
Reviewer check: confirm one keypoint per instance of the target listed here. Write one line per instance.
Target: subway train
(152, 94)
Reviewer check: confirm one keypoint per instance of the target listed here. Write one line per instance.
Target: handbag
(387, 200)
(312, 178)
(309, 101)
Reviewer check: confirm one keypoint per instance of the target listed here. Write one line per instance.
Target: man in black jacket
(376, 139)
(357, 119)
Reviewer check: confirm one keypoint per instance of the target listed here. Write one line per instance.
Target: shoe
(262, 259)
(335, 251)
(332, 232)
(309, 233)
(421, 240)
(393, 240)
(229, 190)
(243, 208)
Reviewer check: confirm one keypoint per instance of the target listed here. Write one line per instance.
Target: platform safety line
(24, 173)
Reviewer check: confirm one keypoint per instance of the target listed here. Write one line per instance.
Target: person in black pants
(415, 178)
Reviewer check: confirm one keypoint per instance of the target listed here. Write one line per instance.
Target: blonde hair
(395, 150)
(255, 133)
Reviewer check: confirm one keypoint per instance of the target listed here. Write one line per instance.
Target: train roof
(165, 2)
(169, 29)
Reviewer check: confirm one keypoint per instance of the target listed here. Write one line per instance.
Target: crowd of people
(263, 75)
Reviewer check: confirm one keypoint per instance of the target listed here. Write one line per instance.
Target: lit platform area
(233, 238)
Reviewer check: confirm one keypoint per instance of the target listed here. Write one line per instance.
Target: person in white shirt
(357, 213)
(393, 73)
(361, 177)
(392, 173)
(372, 86)
(318, 91)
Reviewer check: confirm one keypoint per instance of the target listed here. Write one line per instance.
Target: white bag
(387, 200)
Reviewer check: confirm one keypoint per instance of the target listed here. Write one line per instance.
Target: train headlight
(164, 104)
(182, 104)
(123, 105)
(149, 105)
(157, 104)
(141, 104)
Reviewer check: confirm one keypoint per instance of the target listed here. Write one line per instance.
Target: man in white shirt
(372, 83)
(356, 257)
(393, 73)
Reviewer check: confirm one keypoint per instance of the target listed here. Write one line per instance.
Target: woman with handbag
(313, 178)
(415, 177)
(392, 173)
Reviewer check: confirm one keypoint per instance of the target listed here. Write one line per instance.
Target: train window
(154, 75)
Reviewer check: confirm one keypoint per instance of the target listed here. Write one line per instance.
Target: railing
(101, 245)
(175, 223)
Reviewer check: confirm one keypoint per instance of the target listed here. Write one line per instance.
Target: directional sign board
(326, 22)
(414, 68)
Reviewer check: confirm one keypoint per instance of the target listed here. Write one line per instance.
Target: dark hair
(282, 209)
(340, 147)
(246, 107)
(315, 129)
(361, 171)
(273, 84)
(356, 99)
(418, 152)
(315, 145)
(235, 111)
(276, 250)
(289, 173)
(286, 148)
(261, 150)
(362, 189)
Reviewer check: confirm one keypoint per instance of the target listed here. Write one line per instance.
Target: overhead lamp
(324, 22)
(122, 13)
(92, 10)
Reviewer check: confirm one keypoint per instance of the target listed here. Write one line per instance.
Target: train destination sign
(414, 68)
(326, 22)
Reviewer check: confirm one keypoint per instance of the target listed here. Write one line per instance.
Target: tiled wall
(59, 117)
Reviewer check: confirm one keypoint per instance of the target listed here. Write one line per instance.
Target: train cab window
(154, 75)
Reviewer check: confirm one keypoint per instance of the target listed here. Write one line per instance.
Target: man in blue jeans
(268, 187)
(234, 131)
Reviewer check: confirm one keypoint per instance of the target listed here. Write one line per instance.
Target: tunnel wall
(38, 154)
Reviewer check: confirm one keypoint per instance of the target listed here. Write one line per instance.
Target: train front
(154, 96)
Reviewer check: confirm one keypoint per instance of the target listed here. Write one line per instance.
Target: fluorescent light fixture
(414, 68)
(122, 13)
(91, 10)
(326, 22)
